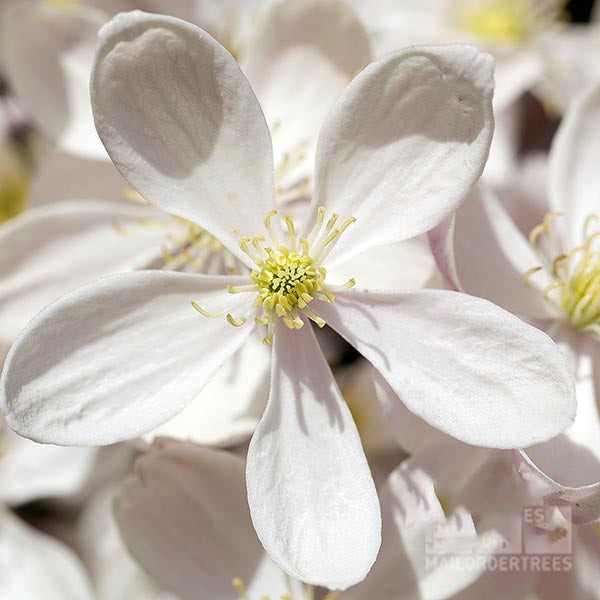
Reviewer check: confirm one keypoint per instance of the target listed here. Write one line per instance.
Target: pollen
(289, 274)
(574, 276)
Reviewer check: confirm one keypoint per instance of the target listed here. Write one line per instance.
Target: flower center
(574, 286)
(504, 21)
(288, 274)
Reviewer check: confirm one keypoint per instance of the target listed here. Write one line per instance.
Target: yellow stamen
(574, 275)
(288, 277)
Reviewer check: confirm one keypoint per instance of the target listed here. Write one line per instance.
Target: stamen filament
(205, 313)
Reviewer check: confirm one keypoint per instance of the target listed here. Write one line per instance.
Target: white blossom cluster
(299, 300)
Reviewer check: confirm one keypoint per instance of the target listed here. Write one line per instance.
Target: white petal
(403, 265)
(182, 124)
(357, 383)
(569, 55)
(301, 56)
(116, 575)
(184, 517)
(311, 496)
(117, 357)
(34, 565)
(228, 409)
(412, 516)
(574, 177)
(52, 249)
(30, 471)
(441, 243)
(492, 256)
(548, 469)
(404, 143)
(48, 55)
(460, 363)
(515, 74)
(411, 432)
(59, 176)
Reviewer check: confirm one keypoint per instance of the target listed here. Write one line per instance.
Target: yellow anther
(240, 588)
(575, 274)
(235, 322)
(288, 277)
(332, 219)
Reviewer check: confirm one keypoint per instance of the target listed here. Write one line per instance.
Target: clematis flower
(551, 279)
(36, 268)
(120, 356)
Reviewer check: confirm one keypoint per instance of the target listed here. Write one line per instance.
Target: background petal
(184, 517)
(492, 256)
(301, 56)
(48, 54)
(35, 565)
(574, 177)
(227, 410)
(53, 249)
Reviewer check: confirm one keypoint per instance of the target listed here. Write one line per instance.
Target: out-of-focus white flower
(34, 565)
(200, 148)
(47, 51)
(552, 280)
(510, 29)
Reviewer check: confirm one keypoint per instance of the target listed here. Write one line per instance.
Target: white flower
(551, 279)
(320, 38)
(398, 152)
